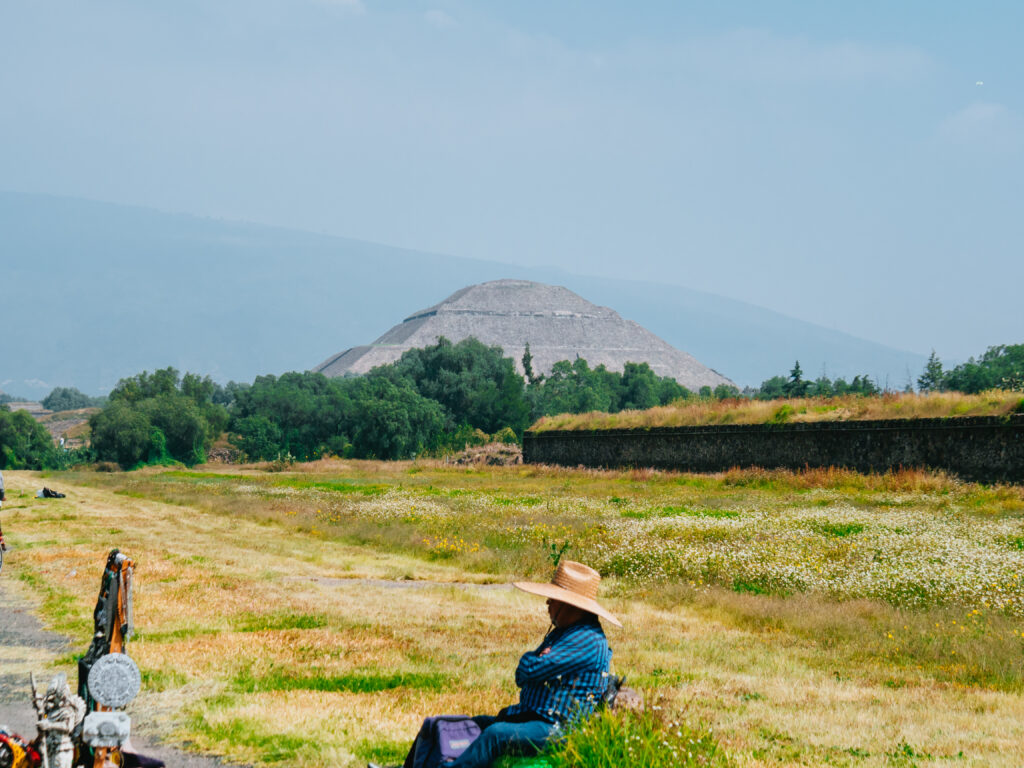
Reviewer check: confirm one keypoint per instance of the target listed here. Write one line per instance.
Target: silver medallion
(114, 680)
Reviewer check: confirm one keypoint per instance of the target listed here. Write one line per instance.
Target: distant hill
(95, 291)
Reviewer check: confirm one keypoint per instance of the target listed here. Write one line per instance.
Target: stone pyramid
(557, 323)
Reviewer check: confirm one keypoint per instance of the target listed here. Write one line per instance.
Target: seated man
(562, 680)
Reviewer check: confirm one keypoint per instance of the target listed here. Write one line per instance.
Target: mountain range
(92, 292)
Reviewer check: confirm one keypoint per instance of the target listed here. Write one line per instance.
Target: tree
(725, 392)
(121, 433)
(640, 387)
(528, 364)
(145, 385)
(393, 420)
(24, 442)
(68, 399)
(999, 364)
(474, 383)
(188, 436)
(153, 418)
(772, 389)
(796, 386)
(862, 385)
(573, 388)
(310, 413)
(931, 379)
(822, 387)
(257, 437)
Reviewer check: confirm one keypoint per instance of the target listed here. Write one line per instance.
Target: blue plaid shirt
(567, 681)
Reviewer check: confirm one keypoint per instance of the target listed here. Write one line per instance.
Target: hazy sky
(855, 164)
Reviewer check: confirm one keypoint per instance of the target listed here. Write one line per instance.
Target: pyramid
(557, 323)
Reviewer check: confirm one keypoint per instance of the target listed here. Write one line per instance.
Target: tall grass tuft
(644, 739)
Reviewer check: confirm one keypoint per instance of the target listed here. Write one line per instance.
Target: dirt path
(26, 647)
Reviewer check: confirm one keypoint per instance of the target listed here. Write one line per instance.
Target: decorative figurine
(60, 716)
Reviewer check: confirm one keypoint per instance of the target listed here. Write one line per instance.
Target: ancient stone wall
(988, 449)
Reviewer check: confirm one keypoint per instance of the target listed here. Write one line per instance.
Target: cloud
(984, 125)
(439, 19)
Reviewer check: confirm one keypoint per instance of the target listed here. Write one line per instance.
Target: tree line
(434, 399)
(1000, 367)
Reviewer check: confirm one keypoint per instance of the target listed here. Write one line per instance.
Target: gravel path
(26, 647)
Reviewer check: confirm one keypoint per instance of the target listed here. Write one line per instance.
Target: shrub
(505, 435)
(66, 459)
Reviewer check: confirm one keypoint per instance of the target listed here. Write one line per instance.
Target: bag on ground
(441, 738)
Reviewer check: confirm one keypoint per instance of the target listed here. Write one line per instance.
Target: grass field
(690, 413)
(312, 617)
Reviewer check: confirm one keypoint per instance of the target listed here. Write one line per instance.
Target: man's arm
(574, 652)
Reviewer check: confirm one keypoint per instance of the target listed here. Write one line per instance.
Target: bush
(66, 459)
(505, 435)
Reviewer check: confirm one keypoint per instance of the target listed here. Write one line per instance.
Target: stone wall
(988, 449)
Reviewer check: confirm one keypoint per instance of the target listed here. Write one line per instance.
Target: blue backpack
(441, 738)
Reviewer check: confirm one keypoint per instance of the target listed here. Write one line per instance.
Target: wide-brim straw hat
(573, 583)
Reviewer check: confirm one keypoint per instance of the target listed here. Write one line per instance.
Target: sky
(857, 165)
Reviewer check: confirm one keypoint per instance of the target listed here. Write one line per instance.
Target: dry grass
(242, 595)
(933, 405)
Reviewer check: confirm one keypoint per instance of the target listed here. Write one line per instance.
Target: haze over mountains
(93, 292)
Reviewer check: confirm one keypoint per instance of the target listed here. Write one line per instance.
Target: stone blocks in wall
(983, 449)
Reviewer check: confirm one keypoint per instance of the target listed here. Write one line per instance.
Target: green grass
(174, 635)
(57, 603)
(353, 682)
(648, 739)
(277, 621)
(162, 679)
(677, 511)
(272, 747)
(525, 501)
(188, 475)
(335, 486)
(839, 530)
(383, 752)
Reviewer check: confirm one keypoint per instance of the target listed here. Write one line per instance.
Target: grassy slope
(850, 407)
(264, 637)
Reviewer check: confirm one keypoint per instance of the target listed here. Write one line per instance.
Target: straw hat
(573, 583)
